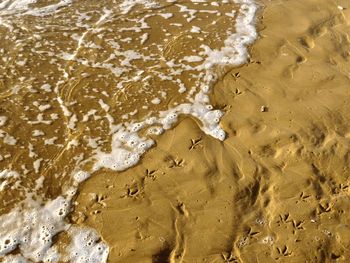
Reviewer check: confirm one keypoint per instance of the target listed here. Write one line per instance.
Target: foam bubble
(14, 259)
(86, 246)
(32, 229)
(81, 176)
(3, 120)
(127, 5)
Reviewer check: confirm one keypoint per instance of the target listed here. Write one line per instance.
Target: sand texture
(277, 189)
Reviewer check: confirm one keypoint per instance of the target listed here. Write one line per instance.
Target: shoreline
(266, 191)
(276, 189)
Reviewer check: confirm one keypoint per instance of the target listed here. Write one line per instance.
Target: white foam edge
(128, 146)
(32, 229)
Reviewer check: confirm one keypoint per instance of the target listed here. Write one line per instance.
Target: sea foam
(29, 229)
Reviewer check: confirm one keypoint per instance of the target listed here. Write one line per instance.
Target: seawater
(88, 85)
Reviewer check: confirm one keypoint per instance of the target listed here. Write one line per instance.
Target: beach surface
(277, 189)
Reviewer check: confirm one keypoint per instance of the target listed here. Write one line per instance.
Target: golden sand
(277, 189)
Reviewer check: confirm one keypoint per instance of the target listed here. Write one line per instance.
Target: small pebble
(264, 109)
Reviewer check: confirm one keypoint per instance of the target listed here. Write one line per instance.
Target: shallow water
(86, 85)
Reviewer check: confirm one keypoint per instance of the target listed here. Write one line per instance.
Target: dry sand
(277, 189)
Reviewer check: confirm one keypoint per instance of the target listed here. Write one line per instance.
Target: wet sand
(83, 86)
(277, 189)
